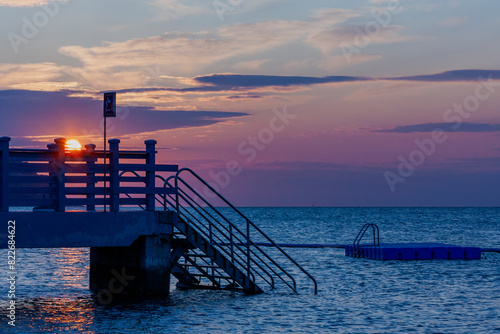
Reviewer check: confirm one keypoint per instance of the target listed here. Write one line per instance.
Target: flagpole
(109, 111)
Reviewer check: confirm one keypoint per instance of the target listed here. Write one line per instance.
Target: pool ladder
(376, 238)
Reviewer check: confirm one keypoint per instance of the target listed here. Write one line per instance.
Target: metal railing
(361, 233)
(57, 177)
(234, 239)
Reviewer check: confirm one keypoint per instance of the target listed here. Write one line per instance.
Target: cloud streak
(453, 76)
(29, 113)
(446, 127)
(229, 82)
(251, 81)
(25, 3)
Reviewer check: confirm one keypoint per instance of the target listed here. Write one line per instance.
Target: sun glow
(73, 145)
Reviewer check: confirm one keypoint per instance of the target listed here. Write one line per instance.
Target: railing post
(4, 174)
(114, 181)
(150, 175)
(59, 167)
(90, 158)
(53, 164)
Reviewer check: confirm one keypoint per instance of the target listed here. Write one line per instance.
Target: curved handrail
(249, 243)
(136, 174)
(361, 233)
(156, 176)
(248, 221)
(188, 199)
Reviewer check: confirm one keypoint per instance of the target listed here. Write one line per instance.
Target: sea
(354, 295)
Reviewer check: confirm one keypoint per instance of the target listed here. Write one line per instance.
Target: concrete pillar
(138, 271)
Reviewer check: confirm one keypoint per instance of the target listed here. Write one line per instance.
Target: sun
(73, 145)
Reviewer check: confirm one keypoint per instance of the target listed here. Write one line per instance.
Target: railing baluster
(52, 174)
(60, 166)
(114, 180)
(4, 174)
(90, 158)
(150, 175)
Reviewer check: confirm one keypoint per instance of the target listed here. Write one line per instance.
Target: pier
(143, 221)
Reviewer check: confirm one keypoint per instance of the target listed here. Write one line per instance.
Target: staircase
(215, 244)
(208, 263)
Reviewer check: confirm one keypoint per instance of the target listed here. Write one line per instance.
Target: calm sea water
(355, 295)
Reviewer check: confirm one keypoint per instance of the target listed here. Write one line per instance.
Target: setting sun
(73, 145)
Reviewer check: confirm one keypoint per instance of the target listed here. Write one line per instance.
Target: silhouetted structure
(134, 252)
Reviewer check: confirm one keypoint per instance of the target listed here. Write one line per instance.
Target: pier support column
(138, 271)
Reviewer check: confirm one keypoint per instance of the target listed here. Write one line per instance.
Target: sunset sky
(275, 102)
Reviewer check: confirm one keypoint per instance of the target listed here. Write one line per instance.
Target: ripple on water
(355, 295)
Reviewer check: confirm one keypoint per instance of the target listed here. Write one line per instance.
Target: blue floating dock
(413, 251)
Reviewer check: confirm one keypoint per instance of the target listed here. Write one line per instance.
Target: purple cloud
(33, 113)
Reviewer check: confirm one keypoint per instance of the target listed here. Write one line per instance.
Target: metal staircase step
(199, 241)
(196, 255)
(214, 276)
(183, 275)
(199, 265)
(186, 286)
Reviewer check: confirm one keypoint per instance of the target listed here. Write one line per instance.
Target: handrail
(361, 233)
(138, 176)
(188, 199)
(249, 224)
(248, 244)
(232, 254)
(243, 251)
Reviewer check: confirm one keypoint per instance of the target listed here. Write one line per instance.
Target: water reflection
(52, 315)
(355, 295)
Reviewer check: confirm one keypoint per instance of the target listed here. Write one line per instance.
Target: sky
(274, 102)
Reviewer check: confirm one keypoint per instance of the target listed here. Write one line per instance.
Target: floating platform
(413, 251)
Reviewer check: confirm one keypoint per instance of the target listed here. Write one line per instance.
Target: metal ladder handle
(162, 196)
(361, 233)
(213, 218)
(252, 224)
(237, 246)
(136, 174)
(257, 247)
(376, 236)
(212, 221)
(287, 256)
(249, 222)
(238, 260)
(182, 192)
(156, 198)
